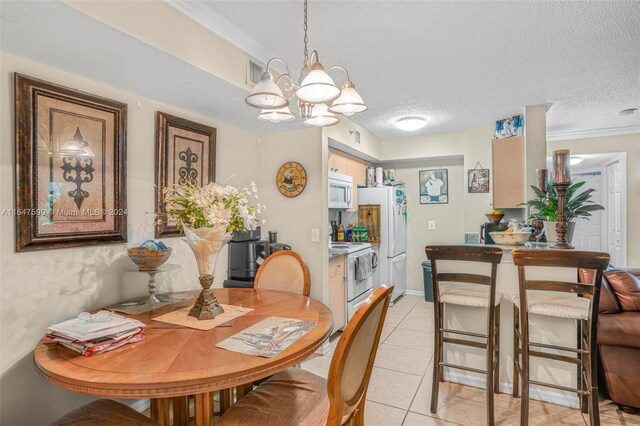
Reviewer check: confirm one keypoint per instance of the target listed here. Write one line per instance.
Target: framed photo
(509, 127)
(185, 152)
(71, 167)
(478, 181)
(434, 186)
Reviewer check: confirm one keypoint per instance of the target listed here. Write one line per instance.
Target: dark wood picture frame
(166, 158)
(32, 94)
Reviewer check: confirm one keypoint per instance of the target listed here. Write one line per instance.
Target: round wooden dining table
(173, 362)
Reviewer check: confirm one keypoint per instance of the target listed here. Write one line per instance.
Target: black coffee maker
(246, 253)
(487, 228)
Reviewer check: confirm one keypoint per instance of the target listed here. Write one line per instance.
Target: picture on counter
(478, 181)
(434, 186)
(70, 150)
(185, 152)
(509, 127)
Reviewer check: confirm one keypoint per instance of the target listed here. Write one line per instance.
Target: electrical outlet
(432, 225)
(315, 235)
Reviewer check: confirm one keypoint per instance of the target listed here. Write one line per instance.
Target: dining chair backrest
(354, 356)
(597, 261)
(284, 270)
(462, 253)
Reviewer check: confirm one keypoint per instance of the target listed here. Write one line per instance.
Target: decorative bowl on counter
(150, 255)
(494, 218)
(516, 238)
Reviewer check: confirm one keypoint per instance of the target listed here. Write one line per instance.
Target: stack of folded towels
(92, 334)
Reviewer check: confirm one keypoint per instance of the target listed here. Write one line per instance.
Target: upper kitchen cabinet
(337, 162)
(509, 170)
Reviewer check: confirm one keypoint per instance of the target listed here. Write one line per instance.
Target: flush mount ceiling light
(628, 111)
(410, 124)
(312, 91)
(574, 161)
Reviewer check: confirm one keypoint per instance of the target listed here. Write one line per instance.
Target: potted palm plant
(545, 205)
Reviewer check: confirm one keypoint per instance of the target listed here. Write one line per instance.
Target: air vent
(356, 136)
(255, 68)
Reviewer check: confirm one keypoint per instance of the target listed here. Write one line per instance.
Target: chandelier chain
(306, 52)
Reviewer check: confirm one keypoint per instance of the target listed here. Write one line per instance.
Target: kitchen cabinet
(337, 292)
(337, 163)
(509, 170)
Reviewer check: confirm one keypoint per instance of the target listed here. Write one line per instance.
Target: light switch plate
(315, 235)
(432, 224)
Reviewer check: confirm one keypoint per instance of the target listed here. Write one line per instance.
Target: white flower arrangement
(223, 209)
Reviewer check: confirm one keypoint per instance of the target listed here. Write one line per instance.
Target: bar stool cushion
(555, 305)
(467, 296)
(104, 412)
(290, 398)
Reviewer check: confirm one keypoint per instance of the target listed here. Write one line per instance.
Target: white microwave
(340, 191)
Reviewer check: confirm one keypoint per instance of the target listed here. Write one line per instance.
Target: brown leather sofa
(619, 335)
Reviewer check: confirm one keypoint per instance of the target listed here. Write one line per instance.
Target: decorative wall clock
(291, 179)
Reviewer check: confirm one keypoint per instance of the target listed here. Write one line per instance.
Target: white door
(588, 233)
(615, 205)
(398, 277)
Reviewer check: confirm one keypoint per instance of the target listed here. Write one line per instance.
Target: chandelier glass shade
(349, 102)
(276, 115)
(266, 94)
(321, 117)
(317, 87)
(312, 91)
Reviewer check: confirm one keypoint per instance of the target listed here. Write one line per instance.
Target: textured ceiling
(464, 64)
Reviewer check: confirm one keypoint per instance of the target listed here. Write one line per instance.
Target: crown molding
(209, 19)
(592, 133)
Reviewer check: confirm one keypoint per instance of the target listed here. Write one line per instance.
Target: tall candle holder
(561, 182)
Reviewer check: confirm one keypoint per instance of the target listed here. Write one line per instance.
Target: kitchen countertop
(350, 248)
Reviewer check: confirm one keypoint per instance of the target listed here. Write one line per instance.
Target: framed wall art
(434, 186)
(71, 167)
(478, 180)
(185, 152)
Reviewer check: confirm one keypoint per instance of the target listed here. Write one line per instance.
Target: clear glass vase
(206, 244)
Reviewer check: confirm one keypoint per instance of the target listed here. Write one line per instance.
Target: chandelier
(313, 91)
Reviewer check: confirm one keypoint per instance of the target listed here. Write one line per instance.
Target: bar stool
(549, 300)
(466, 296)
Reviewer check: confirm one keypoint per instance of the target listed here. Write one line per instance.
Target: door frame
(622, 159)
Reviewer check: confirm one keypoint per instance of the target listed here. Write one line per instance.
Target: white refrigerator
(392, 259)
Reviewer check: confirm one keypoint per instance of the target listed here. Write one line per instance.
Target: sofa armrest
(632, 271)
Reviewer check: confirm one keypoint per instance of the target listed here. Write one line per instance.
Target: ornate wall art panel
(185, 152)
(71, 167)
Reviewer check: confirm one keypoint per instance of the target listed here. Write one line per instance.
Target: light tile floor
(400, 388)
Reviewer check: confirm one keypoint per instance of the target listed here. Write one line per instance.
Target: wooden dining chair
(104, 412)
(558, 299)
(478, 291)
(284, 270)
(298, 397)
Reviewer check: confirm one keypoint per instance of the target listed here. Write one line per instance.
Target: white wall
(630, 144)
(293, 218)
(44, 287)
(415, 147)
(477, 148)
(449, 217)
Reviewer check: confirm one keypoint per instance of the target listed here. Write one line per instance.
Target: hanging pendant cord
(306, 52)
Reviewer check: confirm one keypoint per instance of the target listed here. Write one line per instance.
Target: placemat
(140, 305)
(181, 317)
(269, 337)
